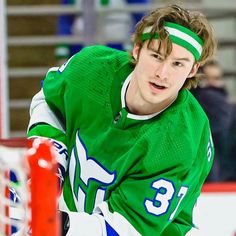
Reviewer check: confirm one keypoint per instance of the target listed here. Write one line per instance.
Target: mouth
(156, 86)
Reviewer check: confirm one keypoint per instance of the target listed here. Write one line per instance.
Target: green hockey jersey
(147, 169)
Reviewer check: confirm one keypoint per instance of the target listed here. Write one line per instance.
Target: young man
(134, 146)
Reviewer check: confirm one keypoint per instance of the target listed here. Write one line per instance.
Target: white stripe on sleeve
(40, 112)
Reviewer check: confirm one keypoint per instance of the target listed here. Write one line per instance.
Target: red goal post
(33, 207)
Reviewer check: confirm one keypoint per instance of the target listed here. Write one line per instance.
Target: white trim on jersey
(83, 224)
(101, 223)
(124, 89)
(52, 69)
(118, 222)
(40, 112)
(62, 204)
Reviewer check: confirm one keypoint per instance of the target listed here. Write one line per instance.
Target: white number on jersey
(210, 149)
(165, 191)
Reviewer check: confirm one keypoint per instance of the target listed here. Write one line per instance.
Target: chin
(153, 101)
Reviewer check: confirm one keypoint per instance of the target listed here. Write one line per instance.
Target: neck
(138, 105)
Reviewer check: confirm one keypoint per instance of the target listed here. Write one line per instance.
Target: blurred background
(33, 34)
(44, 33)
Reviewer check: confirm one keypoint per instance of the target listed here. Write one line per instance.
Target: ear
(194, 70)
(135, 51)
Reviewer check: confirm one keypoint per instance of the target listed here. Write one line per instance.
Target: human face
(157, 80)
(213, 76)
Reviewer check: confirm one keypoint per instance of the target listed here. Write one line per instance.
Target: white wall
(215, 215)
(219, 3)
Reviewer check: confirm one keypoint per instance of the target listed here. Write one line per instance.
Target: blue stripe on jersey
(13, 196)
(110, 230)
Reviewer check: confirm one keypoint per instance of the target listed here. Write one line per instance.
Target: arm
(48, 123)
(44, 123)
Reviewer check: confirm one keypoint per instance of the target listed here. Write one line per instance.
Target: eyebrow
(181, 59)
(175, 59)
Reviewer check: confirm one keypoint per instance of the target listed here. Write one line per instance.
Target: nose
(162, 70)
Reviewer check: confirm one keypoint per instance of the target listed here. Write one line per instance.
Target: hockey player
(134, 146)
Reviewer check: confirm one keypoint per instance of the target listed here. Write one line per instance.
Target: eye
(178, 64)
(157, 56)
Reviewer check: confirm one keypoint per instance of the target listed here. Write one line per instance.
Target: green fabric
(146, 36)
(177, 40)
(72, 1)
(185, 30)
(45, 130)
(135, 154)
(104, 2)
(186, 45)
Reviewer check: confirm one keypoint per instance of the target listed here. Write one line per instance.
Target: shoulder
(188, 118)
(187, 105)
(91, 61)
(183, 114)
(101, 52)
(99, 59)
(176, 135)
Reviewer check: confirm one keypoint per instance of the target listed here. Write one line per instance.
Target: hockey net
(28, 188)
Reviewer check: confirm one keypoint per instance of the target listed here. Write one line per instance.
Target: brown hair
(192, 20)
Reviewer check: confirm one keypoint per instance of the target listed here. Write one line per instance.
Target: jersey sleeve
(47, 116)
